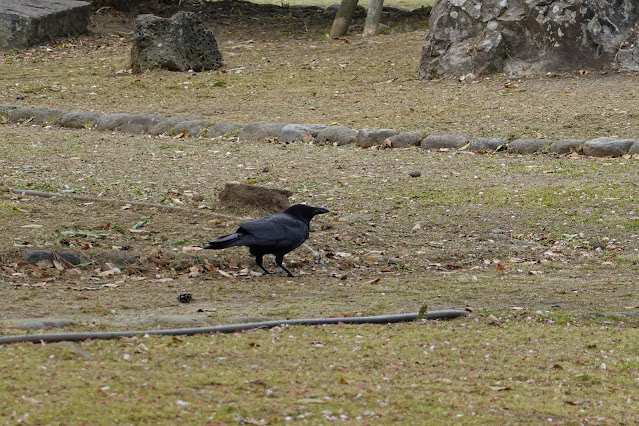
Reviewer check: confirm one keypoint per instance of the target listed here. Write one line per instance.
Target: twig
(116, 201)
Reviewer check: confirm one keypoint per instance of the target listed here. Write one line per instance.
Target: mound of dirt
(244, 197)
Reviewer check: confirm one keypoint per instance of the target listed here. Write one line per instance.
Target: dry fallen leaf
(139, 231)
(31, 400)
(190, 248)
(576, 402)
(499, 388)
(376, 280)
(183, 134)
(60, 266)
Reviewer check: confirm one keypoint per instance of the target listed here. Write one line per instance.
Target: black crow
(277, 234)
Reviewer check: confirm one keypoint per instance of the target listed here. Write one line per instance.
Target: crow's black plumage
(277, 234)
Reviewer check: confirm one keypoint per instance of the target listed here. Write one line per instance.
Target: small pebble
(185, 298)
(415, 174)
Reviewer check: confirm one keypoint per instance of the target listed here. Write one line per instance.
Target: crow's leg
(278, 261)
(258, 260)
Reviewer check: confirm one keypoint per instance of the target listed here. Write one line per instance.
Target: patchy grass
(529, 371)
(546, 245)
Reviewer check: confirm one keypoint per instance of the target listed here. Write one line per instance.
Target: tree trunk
(372, 17)
(343, 18)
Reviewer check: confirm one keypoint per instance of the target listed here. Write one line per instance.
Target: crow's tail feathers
(224, 242)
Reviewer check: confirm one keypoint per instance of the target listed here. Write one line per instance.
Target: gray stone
(628, 57)
(40, 323)
(37, 115)
(300, 132)
(369, 137)
(224, 129)
(473, 56)
(445, 140)
(607, 147)
(338, 135)
(488, 144)
(5, 109)
(528, 146)
(528, 37)
(79, 119)
(634, 149)
(166, 125)
(35, 256)
(566, 146)
(138, 124)
(177, 321)
(25, 23)
(406, 139)
(194, 127)
(180, 43)
(256, 131)
(112, 121)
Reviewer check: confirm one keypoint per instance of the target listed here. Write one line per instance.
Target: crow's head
(304, 212)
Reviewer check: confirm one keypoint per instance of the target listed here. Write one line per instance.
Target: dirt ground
(493, 232)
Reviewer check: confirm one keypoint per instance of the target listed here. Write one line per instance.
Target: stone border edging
(321, 134)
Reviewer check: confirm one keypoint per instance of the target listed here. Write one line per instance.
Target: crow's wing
(279, 232)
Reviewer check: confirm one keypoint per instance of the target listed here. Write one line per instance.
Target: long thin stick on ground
(122, 202)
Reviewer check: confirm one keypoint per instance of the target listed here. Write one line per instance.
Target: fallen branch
(382, 319)
(116, 201)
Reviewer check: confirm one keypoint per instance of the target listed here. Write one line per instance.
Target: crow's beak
(320, 210)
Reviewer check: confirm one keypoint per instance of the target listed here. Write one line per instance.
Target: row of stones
(320, 134)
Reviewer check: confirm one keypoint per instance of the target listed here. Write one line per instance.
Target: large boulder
(180, 43)
(24, 23)
(529, 37)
